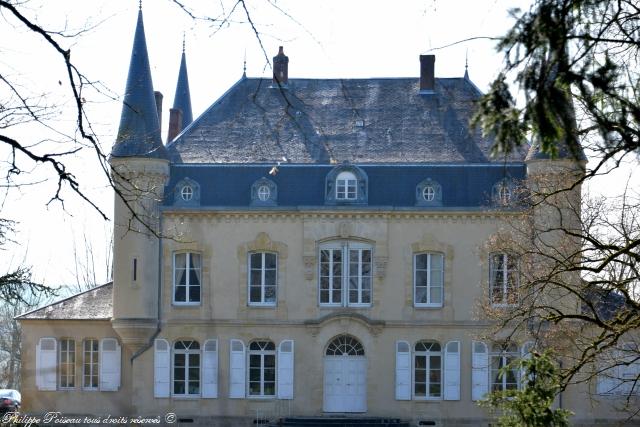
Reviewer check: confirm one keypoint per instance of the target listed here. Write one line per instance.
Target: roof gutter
(158, 329)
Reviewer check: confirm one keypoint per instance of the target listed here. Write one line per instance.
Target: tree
(570, 60)
(531, 406)
(574, 67)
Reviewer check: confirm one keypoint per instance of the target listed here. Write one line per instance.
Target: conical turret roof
(139, 132)
(182, 99)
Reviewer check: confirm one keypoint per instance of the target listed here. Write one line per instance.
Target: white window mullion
(429, 279)
(262, 278)
(359, 276)
(346, 272)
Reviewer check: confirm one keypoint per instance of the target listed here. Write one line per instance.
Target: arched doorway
(345, 376)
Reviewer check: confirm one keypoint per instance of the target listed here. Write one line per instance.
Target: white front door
(345, 384)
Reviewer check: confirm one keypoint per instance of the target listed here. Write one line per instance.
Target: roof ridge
(64, 299)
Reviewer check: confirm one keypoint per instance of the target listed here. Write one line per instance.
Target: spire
(139, 132)
(182, 100)
(466, 66)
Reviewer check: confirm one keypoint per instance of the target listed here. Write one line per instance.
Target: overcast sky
(323, 39)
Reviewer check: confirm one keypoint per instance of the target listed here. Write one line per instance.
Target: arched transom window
(345, 345)
(186, 368)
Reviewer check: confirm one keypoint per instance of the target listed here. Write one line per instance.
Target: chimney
(175, 123)
(427, 74)
(158, 96)
(280, 69)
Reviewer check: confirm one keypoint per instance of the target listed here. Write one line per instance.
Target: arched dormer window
(346, 184)
(264, 192)
(186, 193)
(428, 193)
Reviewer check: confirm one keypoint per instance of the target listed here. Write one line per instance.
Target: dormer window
(504, 192)
(346, 186)
(428, 193)
(264, 192)
(186, 193)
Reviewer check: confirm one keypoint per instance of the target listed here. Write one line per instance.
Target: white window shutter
(237, 368)
(210, 369)
(46, 361)
(285, 369)
(452, 371)
(161, 368)
(479, 370)
(110, 362)
(403, 370)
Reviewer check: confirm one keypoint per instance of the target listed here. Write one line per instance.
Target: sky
(322, 38)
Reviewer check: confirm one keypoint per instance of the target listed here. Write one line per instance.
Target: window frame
(70, 365)
(429, 285)
(94, 367)
(187, 366)
(263, 286)
(262, 353)
(188, 286)
(349, 179)
(345, 248)
(506, 358)
(506, 273)
(186, 192)
(427, 368)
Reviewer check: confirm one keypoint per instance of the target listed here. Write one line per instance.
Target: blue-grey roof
(390, 185)
(139, 131)
(182, 99)
(327, 121)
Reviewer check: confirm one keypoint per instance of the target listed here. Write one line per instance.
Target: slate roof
(182, 98)
(94, 304)
(139, 131)
(325, 121)
(390, 185)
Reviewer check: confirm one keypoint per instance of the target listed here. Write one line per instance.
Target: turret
(180, 115)
(140, 169)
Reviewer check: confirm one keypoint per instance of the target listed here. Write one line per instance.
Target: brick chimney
(175, 123)
(427, 73)
(280, 68)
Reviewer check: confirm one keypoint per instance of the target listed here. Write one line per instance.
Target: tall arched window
(262, 368)
(186, 368)
(427, 372)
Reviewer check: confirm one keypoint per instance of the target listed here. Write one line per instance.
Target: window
(428, 193)
(186, 193)
(90, 367)
(262, 369)
(427, 370)
(67, 365)
(504, 355)
(186, 368)
(503, 279)
(428, 279)
(264, 193)
(346, 186)
(504, 195)
(262, 278)
(618, 370)
(345, 267)
(186, 278)
(345, 345)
